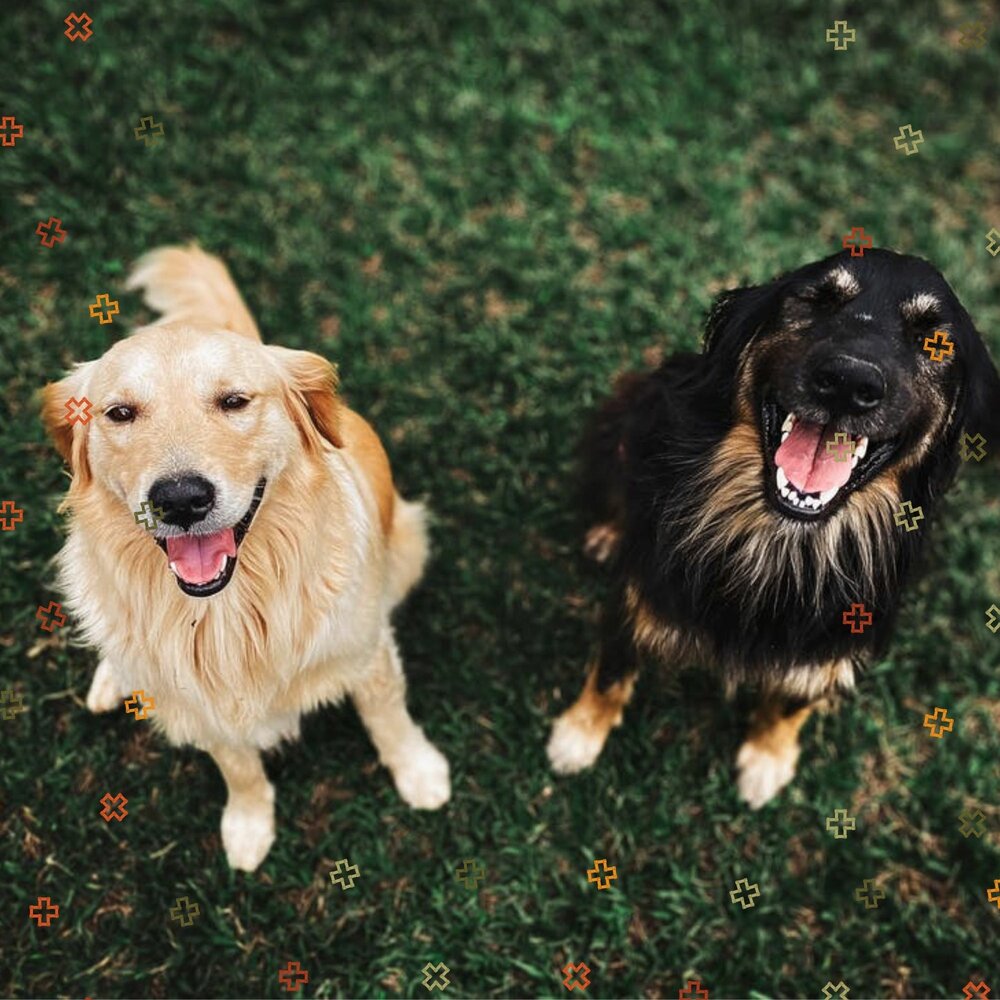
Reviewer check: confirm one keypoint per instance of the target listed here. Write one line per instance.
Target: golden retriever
(279, 550)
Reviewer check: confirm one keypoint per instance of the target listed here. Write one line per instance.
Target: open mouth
(204, 564)
(811, 467)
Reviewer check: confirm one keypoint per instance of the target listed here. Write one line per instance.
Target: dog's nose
(846, 385)
(184, 500)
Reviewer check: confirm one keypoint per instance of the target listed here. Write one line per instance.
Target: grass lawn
(483, 211)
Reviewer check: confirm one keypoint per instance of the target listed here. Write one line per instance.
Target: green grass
(483, 211)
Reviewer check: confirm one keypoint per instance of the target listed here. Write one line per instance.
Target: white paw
(572, 747)
(422, 777)
(248, 829)
(763, 774)
(104, 693)
(601, 541)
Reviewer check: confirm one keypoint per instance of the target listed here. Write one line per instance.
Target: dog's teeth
(784, 436)
(793, 496)
(854, 462)
(862, 448)
(784, 492)
(173, 568)
(786, 427)
(827, 495)
(782, 478)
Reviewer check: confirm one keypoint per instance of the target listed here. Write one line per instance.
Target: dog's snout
(184, 500)
(846, 385)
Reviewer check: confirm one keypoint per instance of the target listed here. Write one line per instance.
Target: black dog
(752, 494)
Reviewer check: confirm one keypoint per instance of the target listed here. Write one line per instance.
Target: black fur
(647, 451)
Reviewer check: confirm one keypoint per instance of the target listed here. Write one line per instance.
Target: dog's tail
(601, 481)
(185, 283)
(408, 548)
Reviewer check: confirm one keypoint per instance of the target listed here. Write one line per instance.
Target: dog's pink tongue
(807, 464)
(200, 558)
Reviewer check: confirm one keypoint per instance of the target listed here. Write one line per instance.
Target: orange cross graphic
(939, 721)
(146, 705)
(603, 880)
(944, 349)
(44, 915)
(857, 618)
(104, 312)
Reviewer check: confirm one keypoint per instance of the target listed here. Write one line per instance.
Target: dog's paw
(572, 745)
(104, 693)
(763, 774)
(248, 830)
(422, 776)
(601, 541)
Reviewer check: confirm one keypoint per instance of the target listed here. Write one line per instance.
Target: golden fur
(331, 550)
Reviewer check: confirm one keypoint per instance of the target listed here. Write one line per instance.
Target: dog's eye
(921, 311)
(121, 414)
(924, 321)
(234, 401)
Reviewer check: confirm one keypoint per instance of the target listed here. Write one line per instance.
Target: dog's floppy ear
(70, 438)
(737, 316)
(980, 410)
(311, 396)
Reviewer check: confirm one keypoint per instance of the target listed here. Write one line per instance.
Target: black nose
(846, 385)
(184, 500)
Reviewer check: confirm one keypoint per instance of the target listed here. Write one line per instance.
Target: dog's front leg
(579, 734)
(766, 760)
(419, 769)
(248, 819)
(105, 691)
